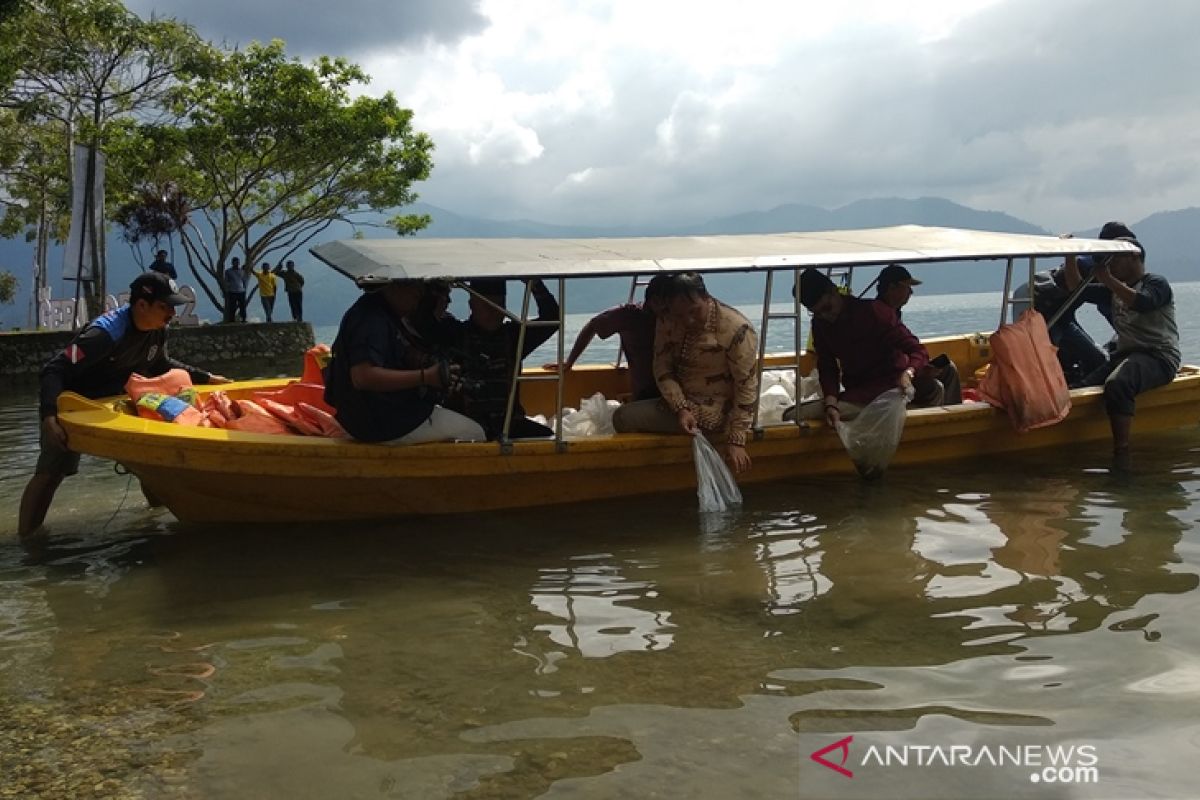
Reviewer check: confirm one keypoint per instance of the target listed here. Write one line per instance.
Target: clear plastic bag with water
(715, 486)
(872, 437)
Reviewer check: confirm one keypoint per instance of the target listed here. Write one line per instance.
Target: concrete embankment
(254, 350)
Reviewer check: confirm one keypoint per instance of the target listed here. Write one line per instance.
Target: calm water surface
(633, 650)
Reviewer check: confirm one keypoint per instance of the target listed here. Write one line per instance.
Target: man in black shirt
(487, 345)
(386, 388)
(98, 363)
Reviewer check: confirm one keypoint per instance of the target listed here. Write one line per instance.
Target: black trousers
(1128, 375)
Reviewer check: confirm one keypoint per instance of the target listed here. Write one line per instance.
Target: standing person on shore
(266, 289)
(293, 284)
(235, 291)
(1143, 315)
(160, 264)
(98, 363)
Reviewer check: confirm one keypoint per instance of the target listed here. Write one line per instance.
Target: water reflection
(619, 649)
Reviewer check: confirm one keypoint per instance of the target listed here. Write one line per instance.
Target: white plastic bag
(717, 489)
(779, 377)
(601, 413)
(809, 388)
(871, 438)
(594, 418)
(772, 403)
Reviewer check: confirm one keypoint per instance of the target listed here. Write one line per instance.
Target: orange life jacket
(315, 360)
(329, 426)
(255, 419)
(169, 383)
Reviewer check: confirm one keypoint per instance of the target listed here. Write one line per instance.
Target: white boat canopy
(370, 261)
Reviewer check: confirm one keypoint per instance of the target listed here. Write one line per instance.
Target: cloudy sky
(1064, 113)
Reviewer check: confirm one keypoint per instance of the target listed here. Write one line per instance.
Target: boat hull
(207, 475)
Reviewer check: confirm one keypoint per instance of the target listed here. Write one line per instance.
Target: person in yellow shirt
(266, 289)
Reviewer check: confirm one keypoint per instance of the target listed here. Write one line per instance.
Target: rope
(128, 483)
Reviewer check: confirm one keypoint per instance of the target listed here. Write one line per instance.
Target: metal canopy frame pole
(799, 340)
(561, 374)
(1032, 272)
(762, 347)
(517, 378)
(768, 315)
(1070, 301)
(1004, 301)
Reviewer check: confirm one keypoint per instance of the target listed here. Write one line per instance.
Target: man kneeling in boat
(98, 363)
(705, 364)
(860, 345)
(937, 383)
(384, 387)
(1143, 315)
(634, 325)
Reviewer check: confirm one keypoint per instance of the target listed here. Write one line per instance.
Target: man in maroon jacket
(860, 345)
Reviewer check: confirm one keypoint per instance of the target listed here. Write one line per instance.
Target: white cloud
(636, 110)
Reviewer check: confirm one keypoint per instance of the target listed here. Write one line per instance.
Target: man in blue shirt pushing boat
(98, 363)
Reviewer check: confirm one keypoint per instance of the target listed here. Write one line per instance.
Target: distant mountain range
(1172, 240)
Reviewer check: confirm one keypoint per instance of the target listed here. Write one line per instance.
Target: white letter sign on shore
(56, 315)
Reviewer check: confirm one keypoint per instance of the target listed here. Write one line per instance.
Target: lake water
(1035, 608)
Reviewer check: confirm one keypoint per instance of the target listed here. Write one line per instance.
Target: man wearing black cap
(487, 345)
(860, 346)
(1143, 315)
(98, 363)
(936, 384)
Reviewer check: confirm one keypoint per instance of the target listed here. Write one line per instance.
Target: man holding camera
(382, 384)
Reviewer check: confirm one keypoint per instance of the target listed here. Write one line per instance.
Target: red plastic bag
(1025, 377)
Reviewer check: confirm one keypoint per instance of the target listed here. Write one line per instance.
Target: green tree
(273, 151)
(89, 71)
(8, 287)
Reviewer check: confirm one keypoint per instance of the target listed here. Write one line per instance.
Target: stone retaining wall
(238, 350)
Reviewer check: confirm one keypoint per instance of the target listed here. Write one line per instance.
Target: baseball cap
(894, 273)
(814, 285)
(154, 286)
(1115, 230)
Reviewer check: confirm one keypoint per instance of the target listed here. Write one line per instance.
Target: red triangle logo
(844, 746)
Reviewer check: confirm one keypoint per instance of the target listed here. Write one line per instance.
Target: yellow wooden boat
(212, 475)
